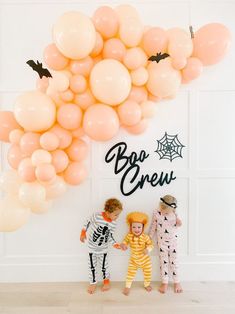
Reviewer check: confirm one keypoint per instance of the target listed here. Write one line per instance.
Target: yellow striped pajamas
(138, 259)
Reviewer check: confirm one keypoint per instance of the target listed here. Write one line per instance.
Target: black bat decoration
(159, 56)
(39, 69)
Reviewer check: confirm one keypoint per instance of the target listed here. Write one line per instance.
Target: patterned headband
(173, 205)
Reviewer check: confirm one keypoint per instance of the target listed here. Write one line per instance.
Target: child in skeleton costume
(101, 226)
(140, 245)
(165, 222)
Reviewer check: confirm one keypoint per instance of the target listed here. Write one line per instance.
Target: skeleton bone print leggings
(101, 259)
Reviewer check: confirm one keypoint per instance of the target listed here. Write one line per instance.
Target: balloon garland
(104, 72)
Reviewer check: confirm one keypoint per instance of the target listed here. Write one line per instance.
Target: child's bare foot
(91, 289)
(177, 288)
(148, 288)
(126, 291)
(163, 288)
(105, 287)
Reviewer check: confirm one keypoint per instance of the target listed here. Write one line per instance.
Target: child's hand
(83, 236)
(178, 222)
(123, 247)
(117, 246)
(146, 251)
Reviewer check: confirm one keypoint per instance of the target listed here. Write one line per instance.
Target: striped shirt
(101, 231)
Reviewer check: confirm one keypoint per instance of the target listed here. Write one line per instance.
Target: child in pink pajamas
(165, 222)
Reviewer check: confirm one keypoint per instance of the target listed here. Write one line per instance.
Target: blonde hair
(168, 199)
(112, 204)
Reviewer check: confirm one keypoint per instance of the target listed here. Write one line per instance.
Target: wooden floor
(61, 298)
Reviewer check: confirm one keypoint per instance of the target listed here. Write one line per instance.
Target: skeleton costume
(100, 235)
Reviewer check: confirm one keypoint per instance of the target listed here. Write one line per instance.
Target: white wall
(48, 248)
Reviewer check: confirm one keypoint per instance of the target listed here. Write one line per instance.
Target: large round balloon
(74, 35)
(110, 82)
(7, 124)
(35, 111)
(211, 42)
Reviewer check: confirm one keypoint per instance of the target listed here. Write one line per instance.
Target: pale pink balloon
(129, 112)
(29, 142)
(60, 160)
(49, 141)
(154, 40)
(67, 95)
(131, 32)
(148, 109)
(82, 66)
(64, 136)
(45, 172)
(126, 11)
(164, 80)
(15, 136)
(26, 170)
(192, 70)
(69, 116)
(85, 100)
(42, 84)
(211, 42)
(74, 35)
(100, 122)
(54, 58)
(114, 49)
(179, 63)
(106, 21)
(35, 111)
(180, 43)
(98, 45)
(139, 76)
(40, 156)
(78, 83)
(138, 94)
(78, 133)
(78, 150)
(110, 82)
(7, 124)
(138, 128)
(59, 82)
(76, 173)
(57, 188)
(14, 156)
(135, 58)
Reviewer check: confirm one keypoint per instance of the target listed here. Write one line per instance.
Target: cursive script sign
(130, 166)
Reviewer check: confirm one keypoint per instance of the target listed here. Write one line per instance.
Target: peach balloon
(15, 136)
(31, 194)
(179, 63)
(78, 83)
(40, 156)
(49, 141)
(64, 136)
(180, 43)
(106, 21)
(14, 156)
(164, 80)
(139, 76)
(75, 174)
(110, 82)
(131, 32)
(211, 42)
(98, 45)
(138, 128)
(129, 112)
(135, 58)
(59, 81)
(42, 84)
(114, 49)
(192, 70)
(78, 133)
(100, 122)
(69, 116)
(78, 150)
(154, 40)
(138, 94)
(60, 160)
(7, 124)
(55, 96)
(29, 142)
(45, 172)
(26, 170)
(126, 11)
(13, 215)
(54, 58)
(67, 95)
(55, 189)
(154, 98)
(82, 66)
(35, 111)
(74, 35)
(85, 100)
(148, 109)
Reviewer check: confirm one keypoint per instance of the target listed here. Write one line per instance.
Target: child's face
(137, 228)
(114, 215)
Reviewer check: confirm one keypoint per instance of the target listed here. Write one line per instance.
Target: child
(140, 245)
(165, 222)
(102, 226)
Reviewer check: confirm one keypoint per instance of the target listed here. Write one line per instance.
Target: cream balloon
(31, 194)
(42, 207)
(40, 156)
(10, 182)
(57, 188)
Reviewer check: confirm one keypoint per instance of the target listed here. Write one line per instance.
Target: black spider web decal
(169, 147)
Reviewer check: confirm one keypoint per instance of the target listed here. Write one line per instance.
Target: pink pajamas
(165, 225)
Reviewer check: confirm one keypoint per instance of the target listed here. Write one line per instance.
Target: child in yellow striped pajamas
(140, 245)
